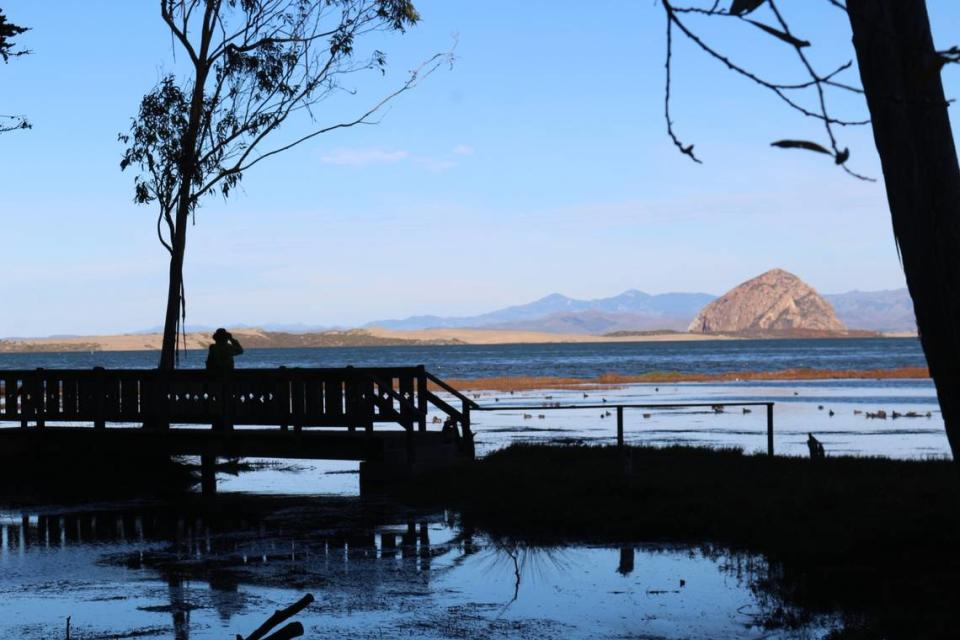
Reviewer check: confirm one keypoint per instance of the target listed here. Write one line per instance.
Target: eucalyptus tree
(252, 65)
(9, 31)
(900, 84)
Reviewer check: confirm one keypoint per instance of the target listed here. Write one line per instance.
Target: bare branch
(782, 32)
(684, 149)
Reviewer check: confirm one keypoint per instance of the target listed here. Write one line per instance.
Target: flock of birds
(880, 414)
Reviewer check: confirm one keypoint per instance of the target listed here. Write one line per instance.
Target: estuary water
(573, 360)
(196, 570)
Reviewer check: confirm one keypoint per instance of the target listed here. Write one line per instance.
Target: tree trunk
(168, 347)
(900, 71)
(188, 165)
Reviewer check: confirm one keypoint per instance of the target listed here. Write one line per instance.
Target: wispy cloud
(349, 157)
(363, 157)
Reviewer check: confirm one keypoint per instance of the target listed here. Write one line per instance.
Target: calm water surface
(565, 360)
(150, 571)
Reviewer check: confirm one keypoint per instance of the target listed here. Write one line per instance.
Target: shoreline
(611, 380)
(253, 338)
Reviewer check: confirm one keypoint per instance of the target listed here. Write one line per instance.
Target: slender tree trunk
(900, 71)
(168, 347)
(187, 169)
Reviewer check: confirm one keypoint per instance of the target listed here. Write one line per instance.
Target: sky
(537, 163)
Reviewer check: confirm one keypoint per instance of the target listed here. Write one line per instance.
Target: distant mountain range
(556, 313)
(633, 310)
(889, 310)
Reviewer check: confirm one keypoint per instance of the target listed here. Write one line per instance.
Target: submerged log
(292, 630)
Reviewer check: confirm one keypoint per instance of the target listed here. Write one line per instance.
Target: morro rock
(774, 302)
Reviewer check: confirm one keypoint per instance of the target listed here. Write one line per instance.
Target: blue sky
(538, 163)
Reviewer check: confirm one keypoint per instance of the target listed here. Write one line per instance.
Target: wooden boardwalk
(374, 415)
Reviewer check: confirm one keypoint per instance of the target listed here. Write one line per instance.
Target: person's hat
(221, 333)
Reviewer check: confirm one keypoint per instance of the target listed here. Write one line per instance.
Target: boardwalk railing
(620, 410)
(350, 397)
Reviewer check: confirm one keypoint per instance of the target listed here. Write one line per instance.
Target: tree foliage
(254, 64)
(9, 31)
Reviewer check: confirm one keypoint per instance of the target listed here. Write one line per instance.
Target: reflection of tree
(268, 542)
(775, 604)
(521, 557)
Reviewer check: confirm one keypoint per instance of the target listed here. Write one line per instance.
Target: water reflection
(201, 571)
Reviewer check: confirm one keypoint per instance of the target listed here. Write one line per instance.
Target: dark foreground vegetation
(872, 539)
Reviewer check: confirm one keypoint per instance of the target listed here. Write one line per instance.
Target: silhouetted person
(222, 351)
(816, 448)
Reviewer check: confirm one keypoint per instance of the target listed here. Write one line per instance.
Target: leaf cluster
(8, 31)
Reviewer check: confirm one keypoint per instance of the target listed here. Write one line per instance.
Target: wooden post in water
(620, 427)
(769, 428)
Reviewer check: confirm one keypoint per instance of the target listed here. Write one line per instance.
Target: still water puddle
(200, 571)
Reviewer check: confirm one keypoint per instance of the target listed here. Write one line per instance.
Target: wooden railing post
(365, 404)
(769, 428)
(620, 427)
(422, 397)
(98, 420)
(39, 397)
(23, 391)
(296, 394)
(283, 398)
(352, 399)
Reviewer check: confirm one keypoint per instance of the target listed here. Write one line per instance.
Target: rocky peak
(775, 301)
